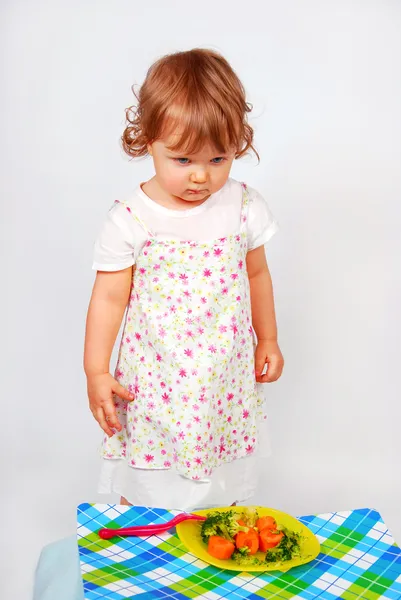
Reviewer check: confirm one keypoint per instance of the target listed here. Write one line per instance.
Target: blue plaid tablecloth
(358, 560)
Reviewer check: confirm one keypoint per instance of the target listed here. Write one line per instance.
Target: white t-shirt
(122, 237)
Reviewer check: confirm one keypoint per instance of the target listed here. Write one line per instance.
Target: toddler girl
(184, 257)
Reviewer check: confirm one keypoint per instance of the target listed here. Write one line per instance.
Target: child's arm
(263, 317)
(106, 309)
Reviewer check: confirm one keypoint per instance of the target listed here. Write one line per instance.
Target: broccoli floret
(250, 516)
(288, 548)
(223, 524)
(243, 557)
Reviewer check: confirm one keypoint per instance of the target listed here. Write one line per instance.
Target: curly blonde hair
(195, 94)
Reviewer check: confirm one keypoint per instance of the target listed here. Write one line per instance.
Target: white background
(324, 78)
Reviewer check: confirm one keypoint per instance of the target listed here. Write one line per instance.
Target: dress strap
(133, 214)
(244, 207)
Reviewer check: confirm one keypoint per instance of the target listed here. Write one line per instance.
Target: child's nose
(199, 176)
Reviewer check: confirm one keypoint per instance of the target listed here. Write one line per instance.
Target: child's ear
(150, 149)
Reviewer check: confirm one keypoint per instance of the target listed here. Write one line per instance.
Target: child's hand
(268, 353)
(100, 392)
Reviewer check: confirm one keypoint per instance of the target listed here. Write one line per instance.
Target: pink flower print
(162, 384)
(175, 456)
(138, 336)
(238, 298)
(189, 333)
(207, 273)
(188, 464)
(234, 329)
(184, 278)
(194, 372)
(202, 399)
(206, 253)
(239, 355)
(166, 398)
(240, 264)
(163, 452)
(158, 357)
(198, 448)
(230, 396)
(198, 460)
(222, 448)
(222, 280)
(249, 449)
(185, 399)
(222, 328)
(142, 359)
(187, 294)
(229, 419)
(162, 332)
(133, 463)
(119, 373)
(237, 238)
(151, 405)
(156, 267)
(203, 300)
(167, 464)
(224, 290)
(234, 276)
(201, 330)
(161, 258)
(136, 389)
(209, 314)
(245, 414)
(217, 252)
(181, 435)
(128, 340)
(188, 352)
(198, 438)
(150, 442)
(188, 320)
(212, 349)
(234, 431)
(149, 458)
(132, 350)
(246, 438)
(171, 275)
(182, 373)
(196, 406)
(173, 308)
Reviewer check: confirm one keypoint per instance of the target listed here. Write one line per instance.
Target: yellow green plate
(189, 533)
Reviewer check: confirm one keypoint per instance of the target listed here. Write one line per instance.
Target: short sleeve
(261, 222)
(114, 247)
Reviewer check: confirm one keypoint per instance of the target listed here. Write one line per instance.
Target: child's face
(190, 177)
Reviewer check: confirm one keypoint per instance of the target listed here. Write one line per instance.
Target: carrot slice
(269, 539)
(249, 539)
(220, 547)
(266, 523)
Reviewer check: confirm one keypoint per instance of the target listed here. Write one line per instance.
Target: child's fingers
(122, 392)
(111, 416)
(101, 419)
(275, 369)
(260, 361)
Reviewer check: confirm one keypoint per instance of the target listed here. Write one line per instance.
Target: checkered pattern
(358, 559)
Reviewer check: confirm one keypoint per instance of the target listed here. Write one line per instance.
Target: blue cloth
(58, 574)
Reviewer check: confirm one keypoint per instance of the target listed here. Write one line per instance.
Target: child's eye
(182, 161)
(218, 160)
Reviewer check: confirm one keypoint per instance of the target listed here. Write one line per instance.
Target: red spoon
(143, 530)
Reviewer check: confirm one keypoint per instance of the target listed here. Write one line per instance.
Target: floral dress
(187, 354)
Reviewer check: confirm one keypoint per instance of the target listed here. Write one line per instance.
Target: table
(358, 559)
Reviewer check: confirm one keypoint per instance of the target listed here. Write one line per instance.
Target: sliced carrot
(220, 547)
(266, 523)
(241, 522)
(269, 539)
(249, 539)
